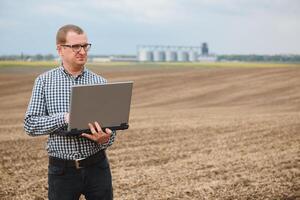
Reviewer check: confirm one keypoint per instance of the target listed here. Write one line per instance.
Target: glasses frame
(86, 47)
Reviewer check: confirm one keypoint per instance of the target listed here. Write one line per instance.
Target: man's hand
(97, 134)
(67, 117)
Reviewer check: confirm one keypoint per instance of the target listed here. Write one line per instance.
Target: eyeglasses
(77, 47)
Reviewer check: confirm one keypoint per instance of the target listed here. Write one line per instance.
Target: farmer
(77, 164)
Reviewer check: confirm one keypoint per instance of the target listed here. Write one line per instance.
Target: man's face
(70, 57)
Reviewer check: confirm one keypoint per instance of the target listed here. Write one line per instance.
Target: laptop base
(78, 132)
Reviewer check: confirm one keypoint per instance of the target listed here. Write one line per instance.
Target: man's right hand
(67, 117)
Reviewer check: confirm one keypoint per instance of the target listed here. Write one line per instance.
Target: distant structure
(161, 53)
(113, 58)
(204, 49)
(168, 53)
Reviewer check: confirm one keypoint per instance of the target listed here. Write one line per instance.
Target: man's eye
(76, 46)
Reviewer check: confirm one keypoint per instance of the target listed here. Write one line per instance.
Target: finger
(89, 136)
(92, 128)
(108, 131)
(107, 136)
(99, 129)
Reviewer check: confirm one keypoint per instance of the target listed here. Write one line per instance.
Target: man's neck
(74, 71)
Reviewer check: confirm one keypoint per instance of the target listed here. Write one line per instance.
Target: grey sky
(117, 26)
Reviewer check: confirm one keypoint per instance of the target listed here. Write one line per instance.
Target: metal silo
(171, 56)
(204, 49)
(145, 55)
(183, 56)
(193, 56)
(150, 56)
(159, 56)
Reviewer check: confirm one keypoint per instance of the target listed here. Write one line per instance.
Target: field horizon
(226, 64)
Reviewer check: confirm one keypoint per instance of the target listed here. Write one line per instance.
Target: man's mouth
(80, 58)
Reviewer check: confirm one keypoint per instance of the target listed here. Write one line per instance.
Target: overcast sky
(117, 26)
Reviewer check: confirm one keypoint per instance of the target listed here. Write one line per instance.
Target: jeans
(68, 183)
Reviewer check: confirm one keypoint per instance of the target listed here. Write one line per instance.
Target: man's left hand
(97, 134)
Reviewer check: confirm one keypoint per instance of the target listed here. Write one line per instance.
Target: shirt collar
(67, 73)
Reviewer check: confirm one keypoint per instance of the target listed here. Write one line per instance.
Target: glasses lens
(76, 47)
(86, 47)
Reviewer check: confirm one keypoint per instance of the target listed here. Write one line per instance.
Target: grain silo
(145, 55)
(170, 53)
(204, 49)
(183, 56)
(193, 56)
(171, 56)
(159, 56)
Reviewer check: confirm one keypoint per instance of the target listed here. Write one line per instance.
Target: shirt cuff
(61, 121)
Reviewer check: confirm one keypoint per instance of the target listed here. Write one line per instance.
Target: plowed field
(195, 133)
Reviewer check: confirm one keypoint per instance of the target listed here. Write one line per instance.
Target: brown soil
(206, 133)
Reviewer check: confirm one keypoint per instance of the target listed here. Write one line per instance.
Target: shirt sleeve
(37, 121)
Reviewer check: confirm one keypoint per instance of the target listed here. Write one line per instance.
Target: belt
(78, 163)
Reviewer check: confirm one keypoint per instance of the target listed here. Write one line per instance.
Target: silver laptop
(108, 104)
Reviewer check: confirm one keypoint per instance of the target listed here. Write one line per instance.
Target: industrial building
(167, 53)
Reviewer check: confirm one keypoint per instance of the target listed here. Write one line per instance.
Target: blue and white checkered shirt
(46, 113)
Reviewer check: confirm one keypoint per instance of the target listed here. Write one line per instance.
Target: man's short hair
(62, 32)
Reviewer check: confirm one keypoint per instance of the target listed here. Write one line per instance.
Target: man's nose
(82, 51)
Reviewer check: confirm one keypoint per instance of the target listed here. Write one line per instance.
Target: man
(77, 164)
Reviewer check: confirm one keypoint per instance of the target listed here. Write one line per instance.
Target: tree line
(260, 58)
(23, 57)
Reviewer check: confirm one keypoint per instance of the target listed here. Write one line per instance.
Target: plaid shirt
(46, 113)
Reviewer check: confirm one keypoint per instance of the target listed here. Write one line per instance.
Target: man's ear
(59, 50)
